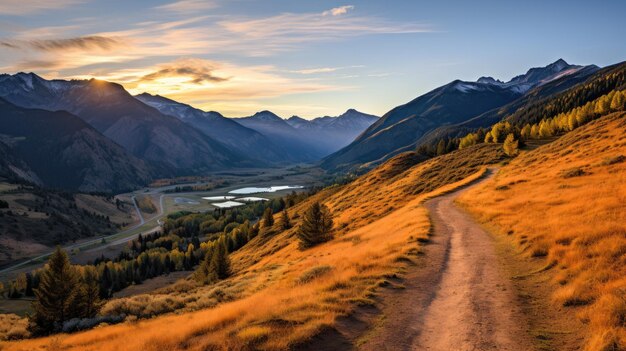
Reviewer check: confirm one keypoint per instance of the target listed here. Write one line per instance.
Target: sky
(302, 57)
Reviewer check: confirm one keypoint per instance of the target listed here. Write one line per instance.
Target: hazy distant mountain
(59, 150)
(294, 143)
(334, 132)
(457, 102)
(225, 130)
(142, 130)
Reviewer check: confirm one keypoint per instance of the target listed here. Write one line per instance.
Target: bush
(313, 273)
(573, 172)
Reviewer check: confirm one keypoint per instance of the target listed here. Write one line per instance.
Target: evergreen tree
(220, 263)
(89, 303)
(268, 218)
(285, 223)
(316, 226)
(202, 273)
(56, 295)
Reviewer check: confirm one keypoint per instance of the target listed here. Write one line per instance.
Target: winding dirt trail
(457, 298)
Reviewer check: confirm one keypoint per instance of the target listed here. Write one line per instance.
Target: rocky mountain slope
(59, 150)
(166, 142)
(402, 128)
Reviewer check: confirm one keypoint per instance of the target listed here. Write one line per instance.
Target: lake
(256, 190)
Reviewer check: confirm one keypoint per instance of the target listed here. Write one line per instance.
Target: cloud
(288, 30)
(198, 71)
(338, 11)
(23, 7)
(322, 69)
(87, 43)
(201, 83)
(188, 6)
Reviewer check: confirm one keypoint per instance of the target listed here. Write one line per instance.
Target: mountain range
(171, 146)
(156, 136)
(137, 138)
(448, 108)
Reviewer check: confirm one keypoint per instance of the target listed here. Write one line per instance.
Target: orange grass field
(565, 203)
(282, 296)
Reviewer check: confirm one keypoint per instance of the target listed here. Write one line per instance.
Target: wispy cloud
(87, 43)
(338, 11)
(288, 30)
(214, 85)
(317, 70)
(23, 7)
(197, 71)
(189, 6)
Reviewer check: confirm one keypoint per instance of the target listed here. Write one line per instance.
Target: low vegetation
(146, 205)
(565, 203)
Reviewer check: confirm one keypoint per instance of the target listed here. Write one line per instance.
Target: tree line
(512, 136)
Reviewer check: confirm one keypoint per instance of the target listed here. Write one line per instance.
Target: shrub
(573, 172)
(313, 273)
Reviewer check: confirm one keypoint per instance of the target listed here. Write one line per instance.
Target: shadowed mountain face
(267, 137)
(59, 150)
(173, 146)
(225, 130)
(403, 128)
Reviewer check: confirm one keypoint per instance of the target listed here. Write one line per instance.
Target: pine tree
(285, 223)
(202, 273)
(268, 218)
(316, 226)
(56, 295)
(220, 263)
(89, 303)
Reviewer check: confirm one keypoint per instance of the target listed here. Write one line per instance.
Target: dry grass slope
(279, 296)
(565, 203)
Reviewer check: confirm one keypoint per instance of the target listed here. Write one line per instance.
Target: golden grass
(565, 202)
(280, 296)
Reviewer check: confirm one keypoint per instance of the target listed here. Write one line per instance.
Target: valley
(479, 214)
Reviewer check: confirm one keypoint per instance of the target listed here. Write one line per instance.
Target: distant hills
(447, 108)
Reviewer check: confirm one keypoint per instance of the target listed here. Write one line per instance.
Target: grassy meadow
(564, 203)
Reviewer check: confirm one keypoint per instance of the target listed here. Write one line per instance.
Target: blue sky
(306, 58)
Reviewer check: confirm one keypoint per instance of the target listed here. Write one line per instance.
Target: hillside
(35, 219)
(458, 102)
(280, 296)
(563, 206)
(560, 95)
(174, 147)
(59, 150)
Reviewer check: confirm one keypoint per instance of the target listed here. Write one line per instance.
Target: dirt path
(457, 298)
